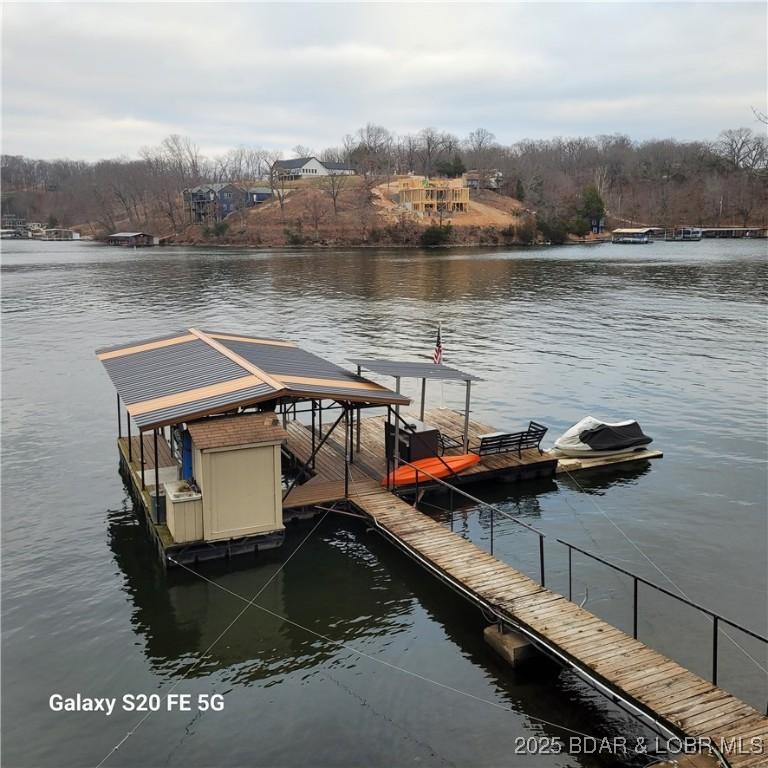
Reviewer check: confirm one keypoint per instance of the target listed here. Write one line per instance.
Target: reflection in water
(180, 617)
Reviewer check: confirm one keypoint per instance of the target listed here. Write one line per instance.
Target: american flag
(437, 355)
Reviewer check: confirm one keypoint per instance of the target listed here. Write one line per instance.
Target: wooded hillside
(660, 182)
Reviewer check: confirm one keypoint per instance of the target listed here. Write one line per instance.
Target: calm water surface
(671, 334)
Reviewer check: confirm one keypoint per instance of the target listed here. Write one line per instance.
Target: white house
(309, 167)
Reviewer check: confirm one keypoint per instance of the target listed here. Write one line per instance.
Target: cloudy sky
(102, 80)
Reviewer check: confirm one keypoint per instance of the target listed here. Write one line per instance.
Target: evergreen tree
(592, 206)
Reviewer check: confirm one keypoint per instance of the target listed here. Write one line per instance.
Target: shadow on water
(179, 617)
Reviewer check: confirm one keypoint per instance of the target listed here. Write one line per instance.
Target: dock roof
(408, 369)
(191, 374)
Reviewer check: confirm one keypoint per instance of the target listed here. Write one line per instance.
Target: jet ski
(592, 437)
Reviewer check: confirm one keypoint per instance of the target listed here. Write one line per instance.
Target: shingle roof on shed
(235, 431)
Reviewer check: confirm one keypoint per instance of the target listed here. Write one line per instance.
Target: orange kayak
(436, 466)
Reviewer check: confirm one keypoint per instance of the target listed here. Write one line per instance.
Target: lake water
(672, 334)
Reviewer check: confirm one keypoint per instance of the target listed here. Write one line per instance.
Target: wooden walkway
(677, 698)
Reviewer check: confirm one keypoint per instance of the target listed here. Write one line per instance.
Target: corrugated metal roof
(407, 369)
(191, 374)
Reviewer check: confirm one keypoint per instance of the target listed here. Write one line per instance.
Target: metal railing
(717, 619)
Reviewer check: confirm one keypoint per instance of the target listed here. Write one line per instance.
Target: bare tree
(315, 208)
(479, 140)
(277, 178)
(333, 184)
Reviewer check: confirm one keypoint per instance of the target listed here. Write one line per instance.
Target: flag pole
(442, 381)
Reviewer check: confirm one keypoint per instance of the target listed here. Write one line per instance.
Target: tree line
(659, 182)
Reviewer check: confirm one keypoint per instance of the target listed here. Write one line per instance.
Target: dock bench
(504, 442)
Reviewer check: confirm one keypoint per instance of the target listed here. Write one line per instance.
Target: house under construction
(429, 197)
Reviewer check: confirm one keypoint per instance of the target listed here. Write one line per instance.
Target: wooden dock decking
(676, 697)
(370, 462)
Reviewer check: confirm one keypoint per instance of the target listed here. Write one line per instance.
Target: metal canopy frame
(400, 369)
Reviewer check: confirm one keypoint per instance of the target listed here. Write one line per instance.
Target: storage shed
(236, 463)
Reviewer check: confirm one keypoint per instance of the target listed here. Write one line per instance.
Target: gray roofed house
(309, 167)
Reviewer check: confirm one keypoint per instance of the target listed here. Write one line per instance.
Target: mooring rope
(226, 629)
(388, 664)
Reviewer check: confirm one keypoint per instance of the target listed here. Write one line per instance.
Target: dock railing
(717, 619)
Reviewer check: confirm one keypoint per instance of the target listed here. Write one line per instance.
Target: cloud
(94, 80)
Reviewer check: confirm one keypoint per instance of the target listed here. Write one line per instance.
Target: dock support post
(466, 417)
(541, 559)
(351, 423)
(130, 447)
(313, 434)
(347, 438)
(119, 420)
(423, 397)
(141, 458)
(714, 650)
(157, 480)
(359, 412)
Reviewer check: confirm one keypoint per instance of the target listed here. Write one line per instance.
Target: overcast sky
(92, 81)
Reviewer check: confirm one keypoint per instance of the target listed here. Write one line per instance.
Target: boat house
(632, 235)
(132, 239)
(213, 462)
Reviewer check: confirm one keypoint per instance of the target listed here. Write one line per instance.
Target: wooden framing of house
(438, 196)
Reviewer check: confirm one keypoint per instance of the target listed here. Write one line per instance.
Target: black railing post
(130, 447)
(450, 504)
(491, 530)
(541, 558)
(714, 649)
(634, 608)
(119, 420)
(570, 572)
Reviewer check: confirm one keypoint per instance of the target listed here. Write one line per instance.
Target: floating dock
(219, 423)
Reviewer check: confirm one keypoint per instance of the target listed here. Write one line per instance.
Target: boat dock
(239, 434)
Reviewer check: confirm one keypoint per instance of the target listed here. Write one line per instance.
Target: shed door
(241, 493)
